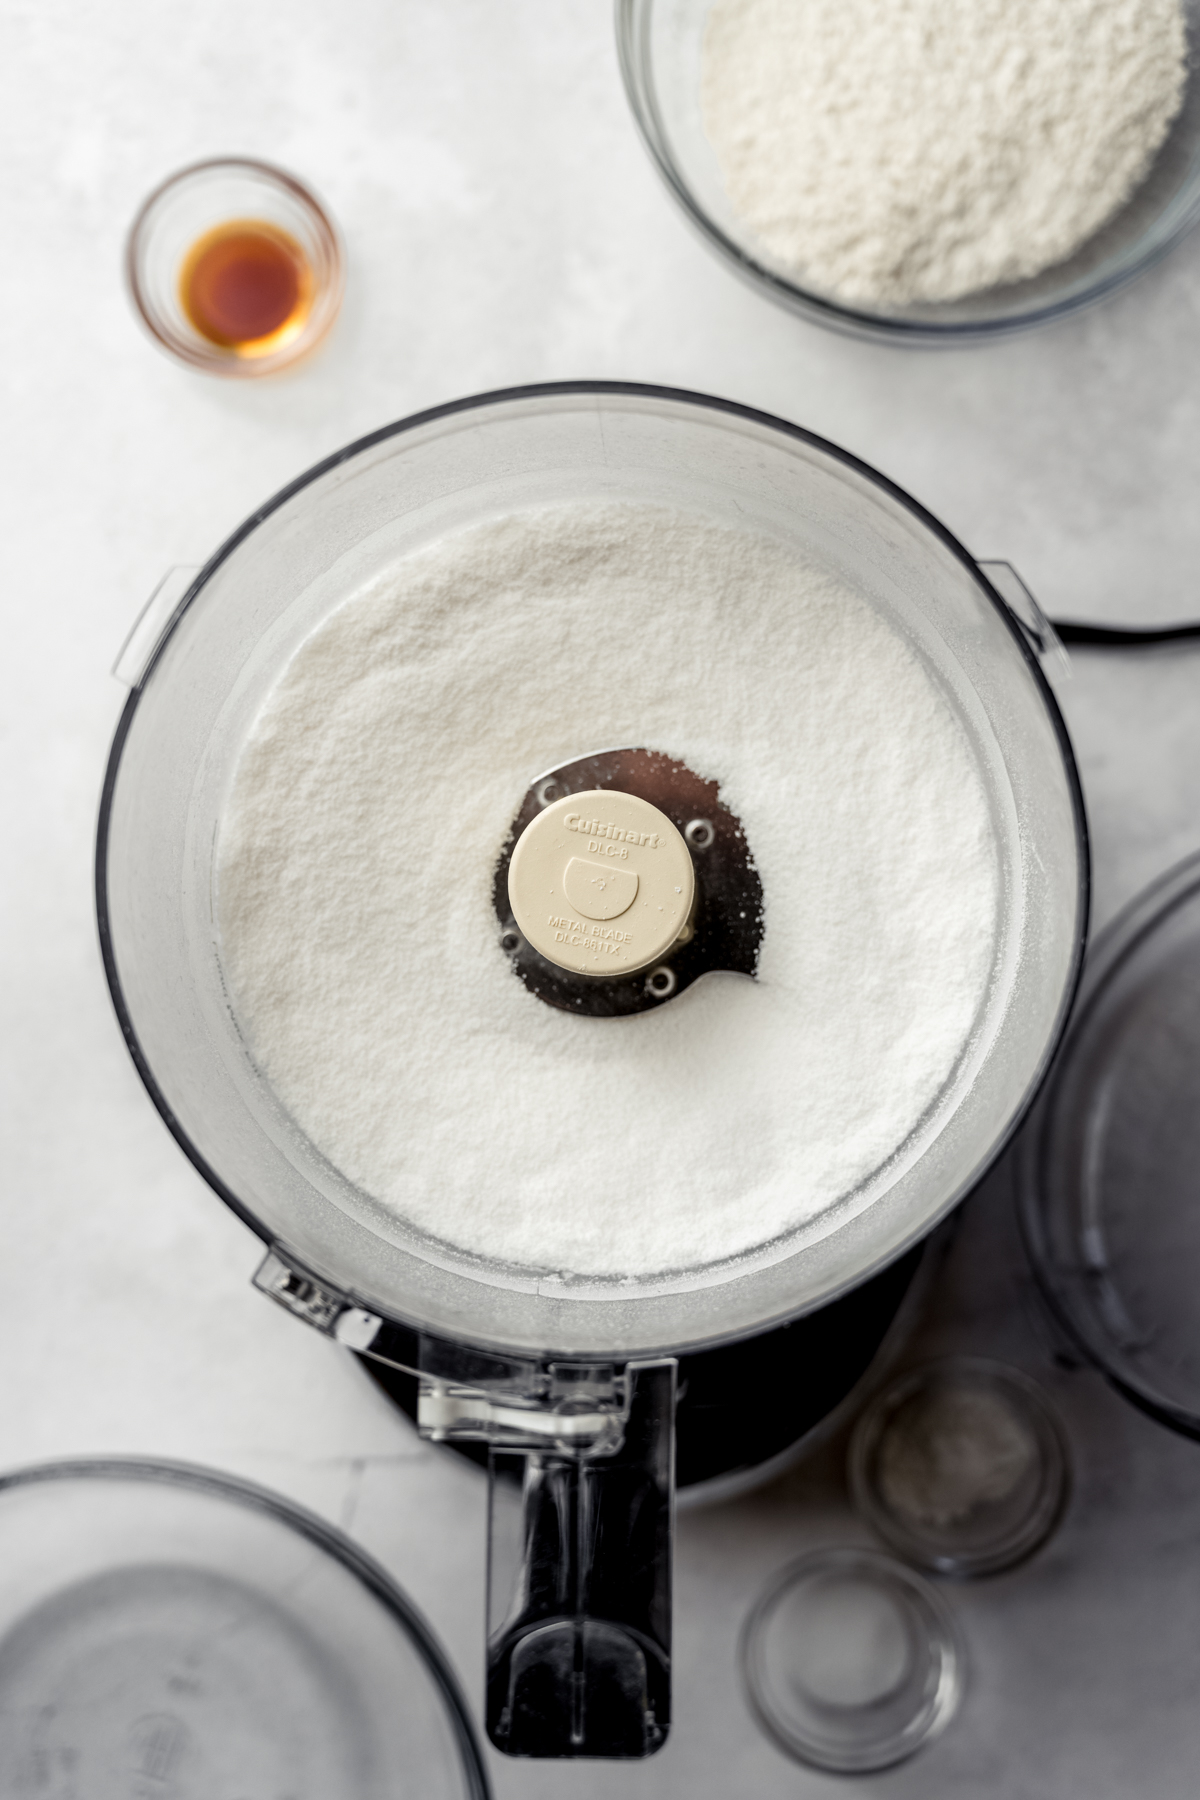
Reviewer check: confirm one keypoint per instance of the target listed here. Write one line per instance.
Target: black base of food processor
(745, 1404)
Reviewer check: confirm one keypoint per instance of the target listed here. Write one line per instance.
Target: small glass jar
(191, 213)
(851, 1661)
(960, 1466)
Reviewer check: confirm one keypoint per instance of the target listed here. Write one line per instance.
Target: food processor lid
(1109, 1197)
(312, 546)
(164, 1628)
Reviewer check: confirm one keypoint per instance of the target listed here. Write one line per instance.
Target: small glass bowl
(960, 1466)
(851, 1661)
(197, 200)
(659, 46)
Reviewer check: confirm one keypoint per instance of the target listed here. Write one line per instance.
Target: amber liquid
(247, 286)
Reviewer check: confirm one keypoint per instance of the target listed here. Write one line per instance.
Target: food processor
(572, 1384)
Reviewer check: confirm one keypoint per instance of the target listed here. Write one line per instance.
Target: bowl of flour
(930, 169)
(315, 782)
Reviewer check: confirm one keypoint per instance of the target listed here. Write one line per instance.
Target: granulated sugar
(890, 151)
(373, 798)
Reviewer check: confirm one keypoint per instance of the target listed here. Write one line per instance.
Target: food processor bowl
(534, 1362)
(659, 45)
(187, 719)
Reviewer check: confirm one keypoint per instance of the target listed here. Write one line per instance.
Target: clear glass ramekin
(961, 1466)
(852, 1662)
(197, 200)
(659, 47)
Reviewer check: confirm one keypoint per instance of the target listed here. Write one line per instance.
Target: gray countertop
(504, 226)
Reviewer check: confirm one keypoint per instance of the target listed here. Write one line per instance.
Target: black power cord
(1121, 637)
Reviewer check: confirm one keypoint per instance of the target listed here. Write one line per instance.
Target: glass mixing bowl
(168, 1631)
(1109, 1160)
(659, 45)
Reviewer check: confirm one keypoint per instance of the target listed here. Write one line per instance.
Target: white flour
(890, 151)
(371, 803)
(954, 1453)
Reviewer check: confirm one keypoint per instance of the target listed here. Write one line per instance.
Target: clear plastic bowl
(659, 45)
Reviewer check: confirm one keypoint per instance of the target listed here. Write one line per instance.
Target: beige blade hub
(602, 883)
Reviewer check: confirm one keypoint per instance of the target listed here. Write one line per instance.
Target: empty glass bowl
(1110, 1159)
(961, 1466)
(296, 240)
(659, 44)
(852, 1661)
(166, 1631)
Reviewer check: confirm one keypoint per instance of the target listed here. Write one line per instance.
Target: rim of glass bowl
(371, 1575)
(634, 58)
(330, 280)
(541, 392)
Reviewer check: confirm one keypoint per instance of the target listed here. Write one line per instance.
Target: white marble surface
(504, 226)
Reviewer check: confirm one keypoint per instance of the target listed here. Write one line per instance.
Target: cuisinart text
(597, 829)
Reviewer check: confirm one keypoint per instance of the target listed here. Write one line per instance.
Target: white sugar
(890, 151)
(371, 803)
